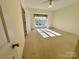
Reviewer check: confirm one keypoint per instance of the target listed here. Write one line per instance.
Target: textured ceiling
(40, 5)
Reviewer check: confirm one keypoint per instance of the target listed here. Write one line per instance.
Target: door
(6, 34)
(11, 30)
(3, 41)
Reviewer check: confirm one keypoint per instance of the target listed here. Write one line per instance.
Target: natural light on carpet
(48, 33)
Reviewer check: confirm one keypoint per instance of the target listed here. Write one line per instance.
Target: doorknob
(15, 45)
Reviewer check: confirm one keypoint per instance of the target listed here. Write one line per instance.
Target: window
(40, 21)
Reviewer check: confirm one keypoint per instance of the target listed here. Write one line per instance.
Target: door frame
(24, 21)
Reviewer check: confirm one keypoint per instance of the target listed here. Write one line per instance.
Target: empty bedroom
(53, 31)
(39, 29)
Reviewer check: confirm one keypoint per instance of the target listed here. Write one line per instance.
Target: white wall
(40, 11)
(67, 19)
(28, 25)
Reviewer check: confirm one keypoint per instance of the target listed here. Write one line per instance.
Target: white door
(4, 46)
(7, 34)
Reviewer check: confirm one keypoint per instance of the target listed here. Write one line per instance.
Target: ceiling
(40, 5)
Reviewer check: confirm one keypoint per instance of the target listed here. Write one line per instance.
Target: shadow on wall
(76, 51)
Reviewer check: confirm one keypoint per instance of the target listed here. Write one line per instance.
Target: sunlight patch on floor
(42, 33)
(48, 33)
(53, 32)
